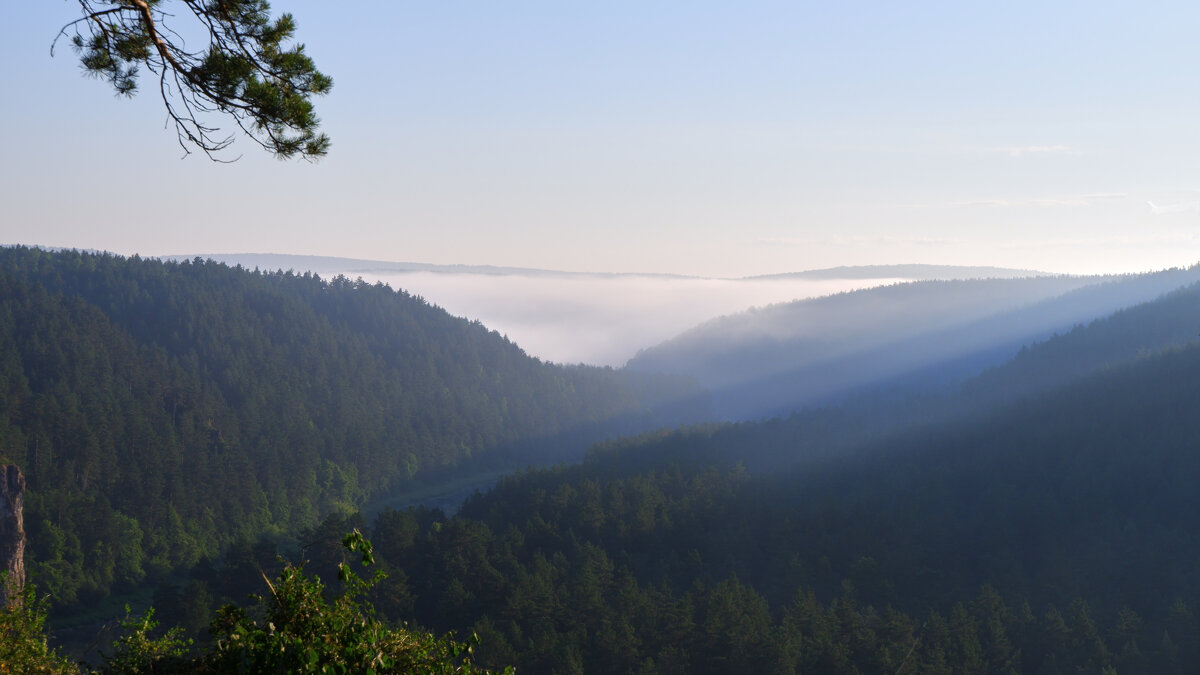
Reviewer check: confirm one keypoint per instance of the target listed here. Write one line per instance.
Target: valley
(599, 338)
(1019, 456)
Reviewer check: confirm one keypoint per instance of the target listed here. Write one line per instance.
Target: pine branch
(245, 74)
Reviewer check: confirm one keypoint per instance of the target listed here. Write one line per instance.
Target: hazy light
(600, 320)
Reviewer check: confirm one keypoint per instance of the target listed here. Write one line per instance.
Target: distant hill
(776, 359)
(909, 272)
(349, 266)
(600, 319)
(1138, 331)
(1116, 342)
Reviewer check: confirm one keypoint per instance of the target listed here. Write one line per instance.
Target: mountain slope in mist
(175, 408)
(1076, 503)
(1115, 342)
(776, 359)
(598, 319)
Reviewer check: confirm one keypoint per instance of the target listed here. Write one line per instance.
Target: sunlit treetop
(245, 71)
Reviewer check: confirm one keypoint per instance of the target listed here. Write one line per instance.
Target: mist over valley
(599, 319)
(600, 338)
(913, 445)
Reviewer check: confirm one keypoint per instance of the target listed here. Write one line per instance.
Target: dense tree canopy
(1040, 520)
(162, 411)
(1054, 534)
(247, 71)
(180, 421)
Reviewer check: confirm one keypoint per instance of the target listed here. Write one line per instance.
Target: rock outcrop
(12, 533)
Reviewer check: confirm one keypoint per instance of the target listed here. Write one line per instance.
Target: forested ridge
(162, 411)
(1052, 531)
(1039, 518)
(773, 360)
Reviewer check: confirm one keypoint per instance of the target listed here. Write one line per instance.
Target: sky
(714, 139)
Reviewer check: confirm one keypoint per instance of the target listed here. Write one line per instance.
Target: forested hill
(1118, 341)
(162, 410)
(778, 359)
(1053, 532)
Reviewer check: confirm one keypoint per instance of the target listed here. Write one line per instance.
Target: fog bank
(599, 319)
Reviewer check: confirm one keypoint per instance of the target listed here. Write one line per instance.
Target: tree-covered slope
(665, 552)
(1082, 490)
(162, 410)
(775, 360)
(1140, 330)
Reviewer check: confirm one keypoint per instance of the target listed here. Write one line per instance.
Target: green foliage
(137, 653)
(24, 649)
(249, 73)
(295, 629)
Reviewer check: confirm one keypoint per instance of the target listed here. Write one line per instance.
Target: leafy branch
(246, 72)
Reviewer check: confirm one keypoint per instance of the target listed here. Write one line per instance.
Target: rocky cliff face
(12, 533)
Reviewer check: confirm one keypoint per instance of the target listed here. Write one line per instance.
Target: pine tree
(248, 73)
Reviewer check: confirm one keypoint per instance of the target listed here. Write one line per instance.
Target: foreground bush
(294, 628)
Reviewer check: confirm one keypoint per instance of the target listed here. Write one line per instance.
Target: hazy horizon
(706, 139)
(595, 319)
(601, 319)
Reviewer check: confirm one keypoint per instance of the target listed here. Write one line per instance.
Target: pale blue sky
(704, 138)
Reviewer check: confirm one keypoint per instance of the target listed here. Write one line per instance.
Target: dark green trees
(162, 412)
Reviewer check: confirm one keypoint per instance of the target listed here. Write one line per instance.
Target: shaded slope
(164, 410)
(1083, 491)
(1078, 504)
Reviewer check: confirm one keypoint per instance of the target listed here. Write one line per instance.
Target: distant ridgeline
(924, 335)
(163, 410)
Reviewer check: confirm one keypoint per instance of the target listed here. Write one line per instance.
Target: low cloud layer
(599, 320)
